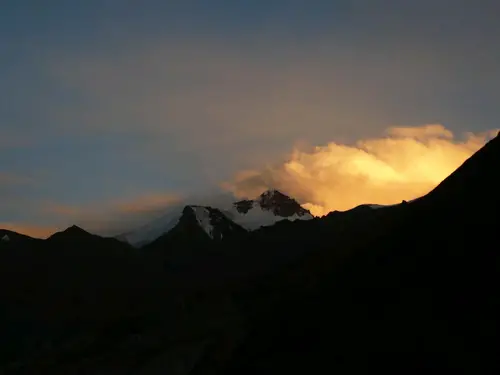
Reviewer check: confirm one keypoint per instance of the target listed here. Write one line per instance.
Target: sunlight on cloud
(405, 164)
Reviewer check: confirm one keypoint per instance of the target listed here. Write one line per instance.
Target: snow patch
(257, 217)
(203, 217)
(268, 193)
(6, 238)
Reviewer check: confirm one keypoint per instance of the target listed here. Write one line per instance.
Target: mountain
(269, 208)
(151, 231)
(413, 290)
(75, 239)
(407, 288)
(7, 236)
(200, 223)
(73, 233)
(20, 244)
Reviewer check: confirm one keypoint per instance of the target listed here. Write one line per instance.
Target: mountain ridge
(270, 207)
(408, 287)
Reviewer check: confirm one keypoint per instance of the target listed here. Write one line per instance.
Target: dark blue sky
(105, 102)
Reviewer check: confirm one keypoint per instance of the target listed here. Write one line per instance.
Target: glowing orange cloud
(405, 164)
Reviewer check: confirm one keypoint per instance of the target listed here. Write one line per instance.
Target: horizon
(114, 113)
(177, 206)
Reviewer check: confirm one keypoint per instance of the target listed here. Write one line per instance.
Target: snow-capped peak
(270, 207)
(6, 238)
(203, 217)
(213, 221)
(280, 204)
(270, 193)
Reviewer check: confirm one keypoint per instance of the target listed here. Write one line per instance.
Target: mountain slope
(151, 231)
(417, 293)
(410, 288)
(199, 223)
(10, 237)
(199, 232)
(73, 233)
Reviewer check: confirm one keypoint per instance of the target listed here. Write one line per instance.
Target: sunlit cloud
(202, 108)
(404, 164)
(233, 98)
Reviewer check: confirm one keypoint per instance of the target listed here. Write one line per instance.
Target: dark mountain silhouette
(10, 237)
(72, 233)
(198, 232)
(416, 293)
(406, 288)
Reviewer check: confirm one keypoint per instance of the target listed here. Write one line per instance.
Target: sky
(113, 110)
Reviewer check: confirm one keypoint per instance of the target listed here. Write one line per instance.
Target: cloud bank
(404, 164)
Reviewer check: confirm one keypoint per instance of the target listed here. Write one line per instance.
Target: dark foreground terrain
(408, 288)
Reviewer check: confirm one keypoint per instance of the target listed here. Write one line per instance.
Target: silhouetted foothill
(8, 237)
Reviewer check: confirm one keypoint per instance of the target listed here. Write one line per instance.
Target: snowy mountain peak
(271, 193)
(6, 238)
(213, 222)
(203, 217)
(270, 207)
(281, 204)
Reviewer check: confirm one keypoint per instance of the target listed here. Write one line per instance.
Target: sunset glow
(404, 164)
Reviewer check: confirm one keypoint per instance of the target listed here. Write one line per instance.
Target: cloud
(157, 100)
(120, 216)
(113, 217)
(235, 96)
(147, 203)
(13, 138)
(405, 164)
